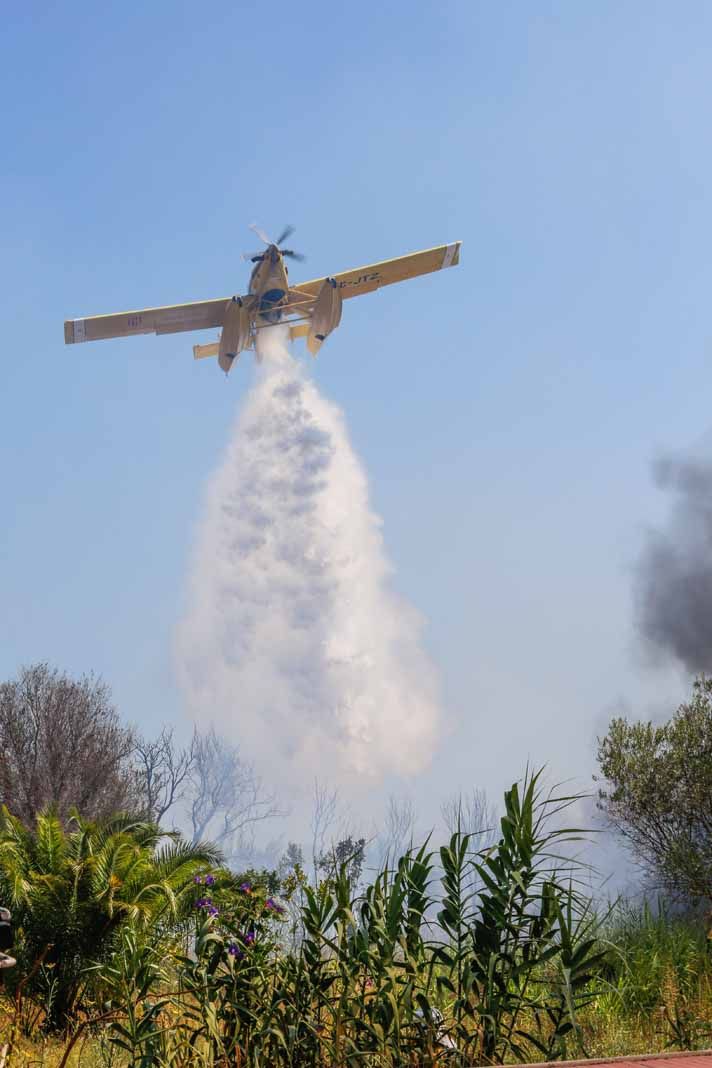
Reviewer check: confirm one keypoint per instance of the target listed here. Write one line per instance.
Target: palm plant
(73, 888)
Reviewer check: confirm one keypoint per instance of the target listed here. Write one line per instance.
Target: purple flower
(200, 903)
(209, 880)
(198, 879)
(246, 888)
(270, 903)
(249, 938)
(212, 911)
(235, 951)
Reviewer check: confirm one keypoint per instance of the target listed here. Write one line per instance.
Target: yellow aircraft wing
(199, 315)
(366, 279)
(206, 314)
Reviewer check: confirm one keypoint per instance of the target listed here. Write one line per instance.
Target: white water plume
(293, 643)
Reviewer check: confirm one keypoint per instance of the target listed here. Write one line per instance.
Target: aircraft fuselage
(269, 283)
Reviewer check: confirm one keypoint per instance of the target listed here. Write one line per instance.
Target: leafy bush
(72, 890)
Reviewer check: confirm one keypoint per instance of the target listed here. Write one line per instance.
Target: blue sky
(507, 411)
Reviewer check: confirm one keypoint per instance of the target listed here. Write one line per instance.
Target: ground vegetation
(161, 956)
(656, 793)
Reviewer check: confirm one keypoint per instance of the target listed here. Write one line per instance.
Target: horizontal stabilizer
(201, 351)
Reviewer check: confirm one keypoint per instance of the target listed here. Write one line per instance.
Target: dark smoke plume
(674, 573)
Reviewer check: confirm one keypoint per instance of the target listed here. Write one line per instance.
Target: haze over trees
(226, 796)
(656, 793)
(64, 747)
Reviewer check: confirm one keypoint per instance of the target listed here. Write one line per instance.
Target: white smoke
(293, 643)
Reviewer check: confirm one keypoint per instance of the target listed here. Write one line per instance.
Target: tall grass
(658, 992)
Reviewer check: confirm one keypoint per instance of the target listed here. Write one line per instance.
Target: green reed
(464, 955)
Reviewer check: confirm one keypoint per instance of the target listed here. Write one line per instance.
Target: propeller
(287, 232)
(288, 252)
(261, 234)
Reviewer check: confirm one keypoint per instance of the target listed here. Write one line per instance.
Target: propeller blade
(261, 234)
(293, 255)
(288, 230)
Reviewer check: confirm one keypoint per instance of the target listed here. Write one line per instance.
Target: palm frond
(172, 855)
(50, 842)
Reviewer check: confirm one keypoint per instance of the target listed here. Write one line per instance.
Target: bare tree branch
(323, 815)
(471, 814)
(163, 772)
(397, 832)
(227, 795)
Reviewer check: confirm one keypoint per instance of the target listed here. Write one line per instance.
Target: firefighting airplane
(310, 309)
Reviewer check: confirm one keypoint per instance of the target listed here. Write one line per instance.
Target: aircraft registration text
(361, 280)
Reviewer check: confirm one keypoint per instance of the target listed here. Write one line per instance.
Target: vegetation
(657, 993)
(657, 794)
(64, 746)
(137, 949)
(63, 743)
(73, 891)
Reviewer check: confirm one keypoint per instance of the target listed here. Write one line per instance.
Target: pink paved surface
(700, 1059)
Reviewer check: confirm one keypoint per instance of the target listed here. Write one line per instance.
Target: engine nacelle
(236, 332)
(326, 315)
